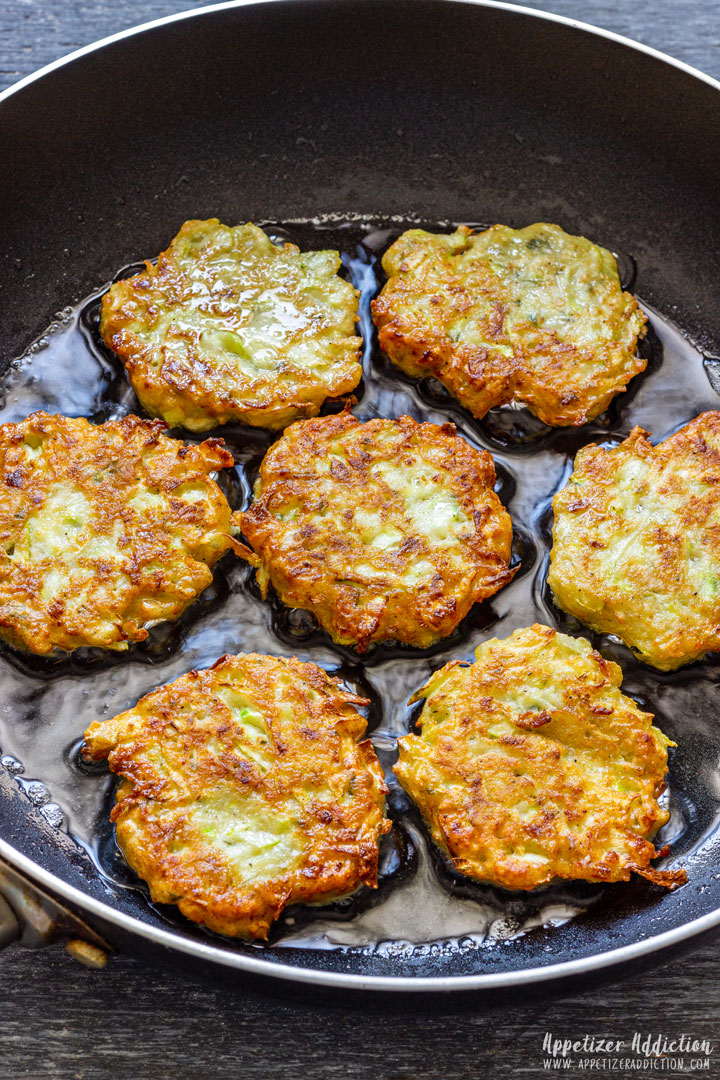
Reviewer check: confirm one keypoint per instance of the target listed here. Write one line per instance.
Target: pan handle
(34, 919)
(9, 926)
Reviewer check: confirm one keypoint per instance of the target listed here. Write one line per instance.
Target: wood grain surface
(59, 1020)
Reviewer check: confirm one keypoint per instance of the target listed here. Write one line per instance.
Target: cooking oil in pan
(420, 903)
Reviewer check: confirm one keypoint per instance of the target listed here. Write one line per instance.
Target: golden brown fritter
(636, 543)
(244, 789)
(385, 530)
(228, 326)
(104, 530)
(530, 315)
(531, 765)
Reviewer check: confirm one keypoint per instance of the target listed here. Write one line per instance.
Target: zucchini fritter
(244, 789)
(531, 765)
(228, 326)
(636, 543)
(104, 530)
(385, 530)
(531, 315)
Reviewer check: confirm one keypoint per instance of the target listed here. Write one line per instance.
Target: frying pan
(389, 110)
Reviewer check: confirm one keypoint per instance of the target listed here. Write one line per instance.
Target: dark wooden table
(60, 1020)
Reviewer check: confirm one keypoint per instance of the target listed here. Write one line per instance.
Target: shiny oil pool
(421, 908)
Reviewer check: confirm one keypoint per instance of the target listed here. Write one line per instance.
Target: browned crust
(182, 745)
(521, 805)
(188, 386)
(542, 371)
(653, 599)
(313, 560)
(162, 555)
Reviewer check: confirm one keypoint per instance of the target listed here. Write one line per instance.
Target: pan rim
(228, 5)
(386, 983)
(491, 981)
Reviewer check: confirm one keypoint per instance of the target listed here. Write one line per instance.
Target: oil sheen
(420, 904)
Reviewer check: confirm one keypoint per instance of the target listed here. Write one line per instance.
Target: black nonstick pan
(338, 123)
